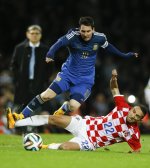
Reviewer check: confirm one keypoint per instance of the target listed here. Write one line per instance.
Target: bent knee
(74, 105)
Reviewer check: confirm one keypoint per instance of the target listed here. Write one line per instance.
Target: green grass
(13, 155)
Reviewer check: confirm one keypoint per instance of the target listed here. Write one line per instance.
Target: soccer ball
(32, 142)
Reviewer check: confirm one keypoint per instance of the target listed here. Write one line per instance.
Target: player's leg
(74, 126)
(80, 141)
(67, 107)
(38, 120)
(58, 86)
(62, 146)
(78, 94)
(69, 146)
(35, 103)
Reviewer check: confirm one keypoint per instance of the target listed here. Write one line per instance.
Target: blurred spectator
(145, 127)
(31, 73)
(100, 106)
(147, 94)
(6, 99)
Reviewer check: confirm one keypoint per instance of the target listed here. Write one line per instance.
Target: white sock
(54, 146)
(36, 120)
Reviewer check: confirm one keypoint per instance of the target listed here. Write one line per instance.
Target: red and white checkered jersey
(113, 128)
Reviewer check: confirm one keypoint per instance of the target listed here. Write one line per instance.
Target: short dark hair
(87, 21)
(144, 109)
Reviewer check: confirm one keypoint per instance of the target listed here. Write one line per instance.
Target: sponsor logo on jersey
(95, 47)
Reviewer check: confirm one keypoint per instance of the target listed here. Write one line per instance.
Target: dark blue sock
(32, 106)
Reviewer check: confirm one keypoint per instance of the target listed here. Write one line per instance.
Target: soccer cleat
(10, 119)
(18, 116)
(54, 146)
(44, 147)
(60, 111)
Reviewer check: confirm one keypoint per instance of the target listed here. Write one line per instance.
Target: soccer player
(78, 72)
(120, 125)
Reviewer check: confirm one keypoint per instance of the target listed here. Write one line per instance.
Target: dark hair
(144, 109)
(87, 21)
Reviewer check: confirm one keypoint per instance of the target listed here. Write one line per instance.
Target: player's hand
(135, 151)
(48, 60)
(114, 73)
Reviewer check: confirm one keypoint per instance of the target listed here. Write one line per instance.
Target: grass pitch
(12, 154)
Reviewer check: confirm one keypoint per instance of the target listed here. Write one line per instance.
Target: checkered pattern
(110, 129)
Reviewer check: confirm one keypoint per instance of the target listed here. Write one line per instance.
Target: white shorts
(77, 127)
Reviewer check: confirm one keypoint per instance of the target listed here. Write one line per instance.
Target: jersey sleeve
(120, 101)
(103, 40)
(134, 141)
(61, 42)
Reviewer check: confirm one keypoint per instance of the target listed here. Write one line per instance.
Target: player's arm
(114, 84)
(135, 144)
(113, 50)
(61, 42)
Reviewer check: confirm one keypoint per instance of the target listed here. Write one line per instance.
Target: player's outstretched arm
(114, 84)
(113, 50)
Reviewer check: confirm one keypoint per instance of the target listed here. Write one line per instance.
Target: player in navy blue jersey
(78, 72)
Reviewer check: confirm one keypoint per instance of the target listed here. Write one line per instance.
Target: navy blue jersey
(80, 64)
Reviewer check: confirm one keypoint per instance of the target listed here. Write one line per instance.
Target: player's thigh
(80, 92)
(60, 84)
(60, 120)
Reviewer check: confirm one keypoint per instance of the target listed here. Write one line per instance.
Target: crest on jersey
(126, 133)
(58, 78)
(95, 46)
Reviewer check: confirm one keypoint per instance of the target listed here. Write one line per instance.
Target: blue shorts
(79, 91)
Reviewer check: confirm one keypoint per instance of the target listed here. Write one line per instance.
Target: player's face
(34, 36)
(135, 115)
(86, 32)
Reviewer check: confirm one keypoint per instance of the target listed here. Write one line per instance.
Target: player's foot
(60, 111)
(54, 146)
(10, 119)
(18, 116)
(44, 147)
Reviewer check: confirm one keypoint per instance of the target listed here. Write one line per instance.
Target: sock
(36, 120)
(33, 105)
(54, 146)
(65, 107)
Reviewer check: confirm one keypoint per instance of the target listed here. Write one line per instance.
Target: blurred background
(126, 25)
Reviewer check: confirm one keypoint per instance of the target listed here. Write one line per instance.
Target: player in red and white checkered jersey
(120, 125)
(113, 128)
